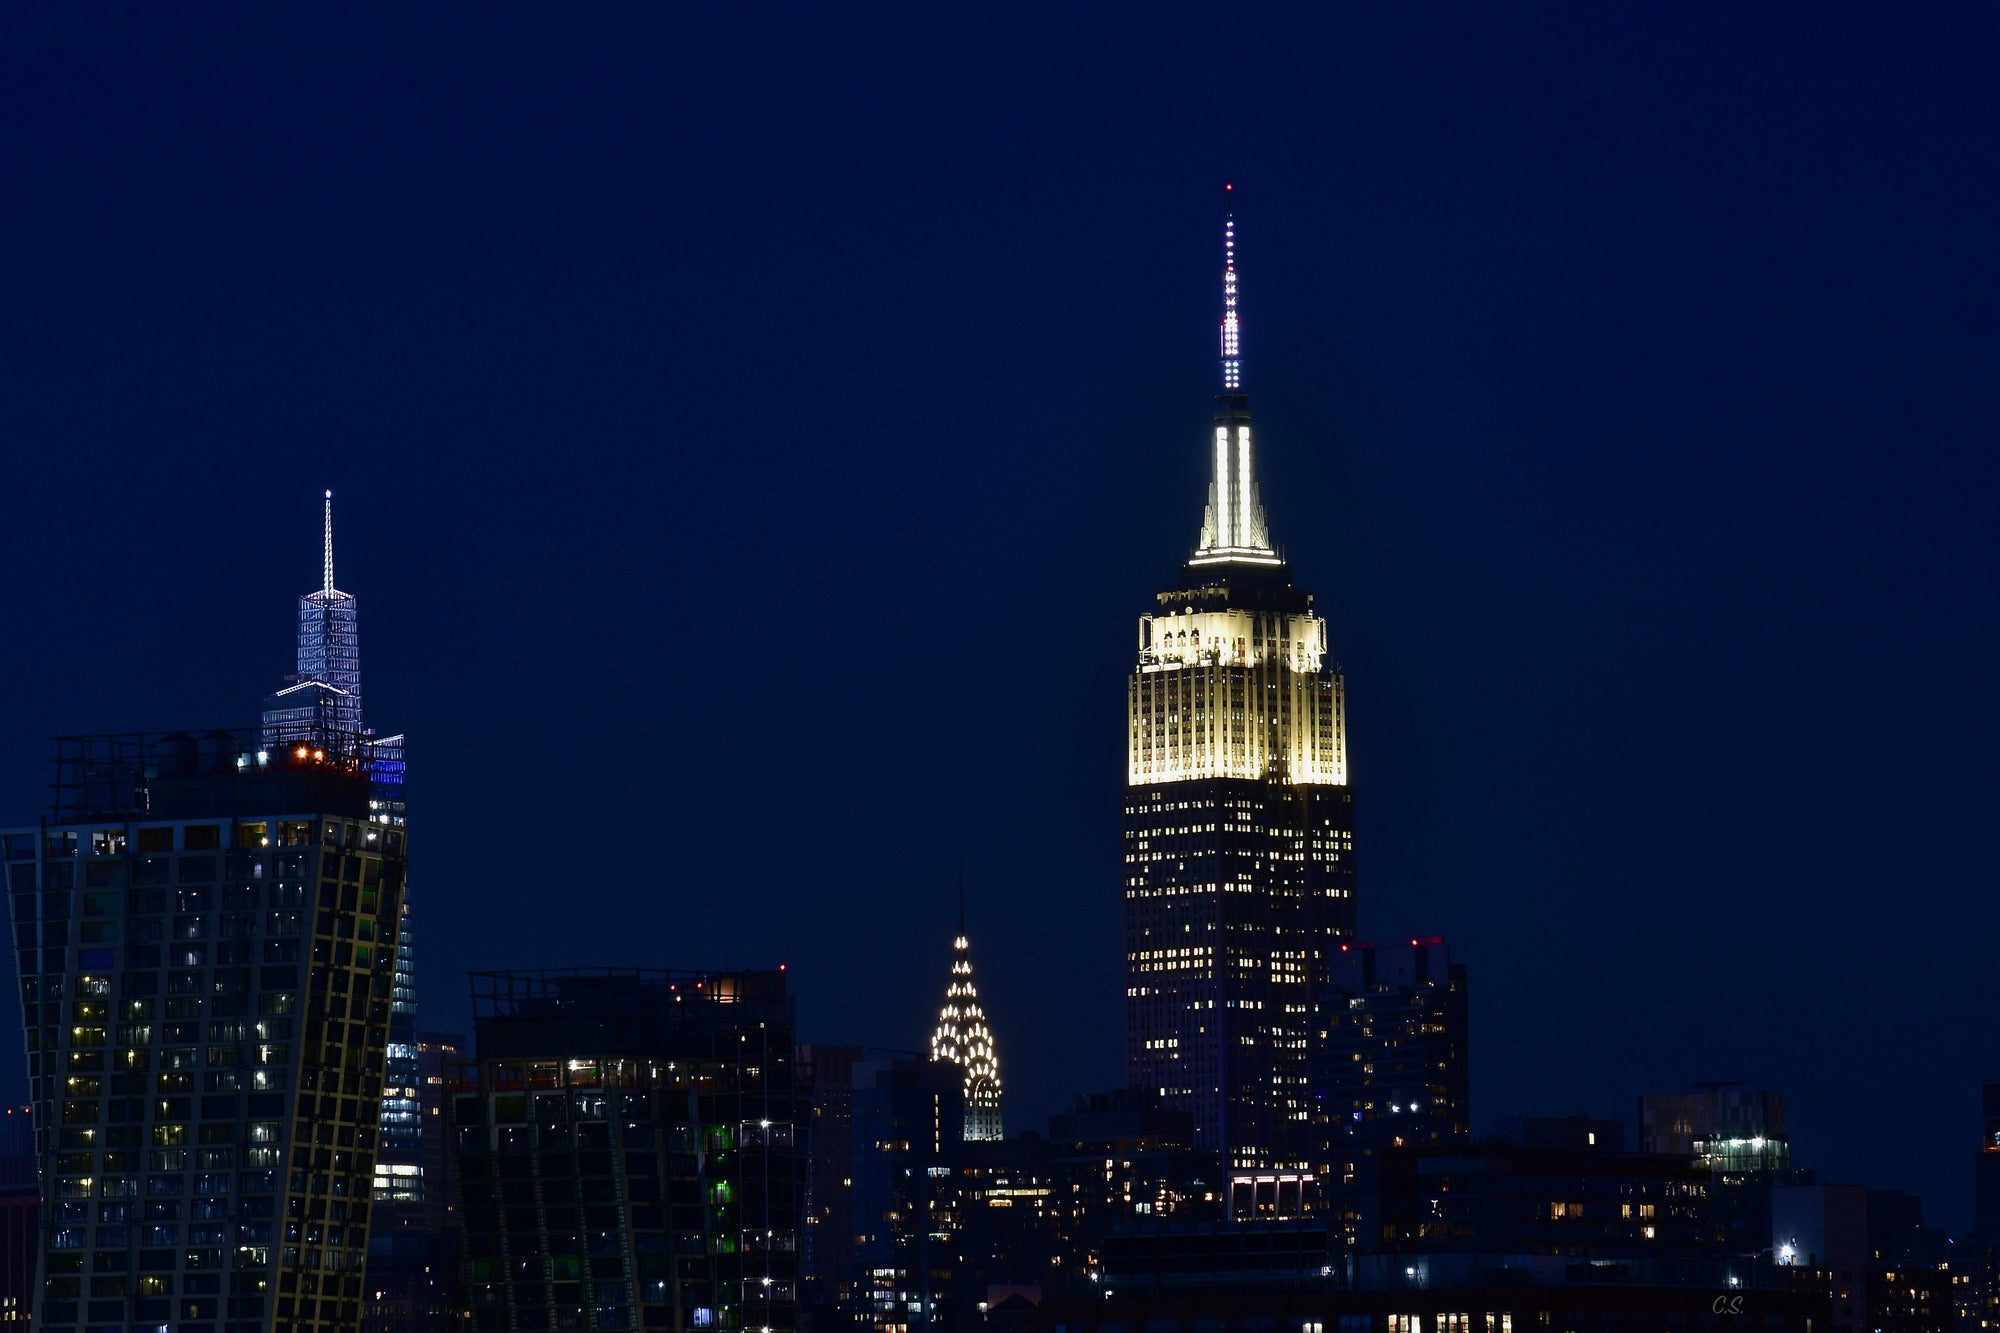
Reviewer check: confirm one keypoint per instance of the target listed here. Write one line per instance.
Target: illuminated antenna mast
(1232, 359)
(1232, 527)
(327, 584)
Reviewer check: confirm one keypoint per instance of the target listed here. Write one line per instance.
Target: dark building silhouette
(206, 934)
(1390, 1066)
(20, 1244)
(908, 1138)
(1824, 1228)
(1120, 1164)
(628, 1151)
(1569, 1133)
(415, 1280)
(1500, 1199)
(1978, 1298)
(826, 1245)
(1986, 1163)
(1238, 820)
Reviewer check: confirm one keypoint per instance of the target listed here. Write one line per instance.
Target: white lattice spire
(326, 585)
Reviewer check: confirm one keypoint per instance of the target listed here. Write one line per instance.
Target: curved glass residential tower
(1239, 838)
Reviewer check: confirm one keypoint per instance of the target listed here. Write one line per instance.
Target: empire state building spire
(1232, 527)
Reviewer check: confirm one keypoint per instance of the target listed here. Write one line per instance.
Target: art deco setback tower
(1239, 836)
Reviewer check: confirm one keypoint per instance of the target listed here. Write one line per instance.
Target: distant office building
(1722, 1126)
(1978, 1295)
(1498, 1199)
(1239, 832)
(414, 1273)
(1881, 1269)
(907, 1126)
(1390, 1066)
(1738, 1135)
(206, 938)
(628, 1151)
(1825, 1227)
(1913, 1299)
(20, 1244)
(1390, 1060)
(826, 1246)
(963, 1040)
(1120, 1163)
(951, 1230)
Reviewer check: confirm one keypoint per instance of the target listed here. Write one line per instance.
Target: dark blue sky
(755, 439)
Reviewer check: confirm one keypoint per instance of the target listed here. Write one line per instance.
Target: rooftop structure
(1723, 1126)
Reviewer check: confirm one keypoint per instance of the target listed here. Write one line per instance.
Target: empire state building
(1239, 842)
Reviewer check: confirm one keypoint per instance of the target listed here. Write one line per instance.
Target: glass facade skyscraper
(629, 1154)
(205, 932)
(1238, 836)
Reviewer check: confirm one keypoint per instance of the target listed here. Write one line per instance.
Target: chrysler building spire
(1232, 527)
(963, 1039)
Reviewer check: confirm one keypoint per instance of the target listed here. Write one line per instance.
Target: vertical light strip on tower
(1232, 364)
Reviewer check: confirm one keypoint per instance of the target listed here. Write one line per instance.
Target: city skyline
(1632, 440)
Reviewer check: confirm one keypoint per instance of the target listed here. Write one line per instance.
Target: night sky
(754, 440)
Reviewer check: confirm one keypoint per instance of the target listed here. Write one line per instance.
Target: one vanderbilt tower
(1239, 840)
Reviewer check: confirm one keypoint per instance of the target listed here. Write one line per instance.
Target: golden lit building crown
(963, 1039)
(1231, 679)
